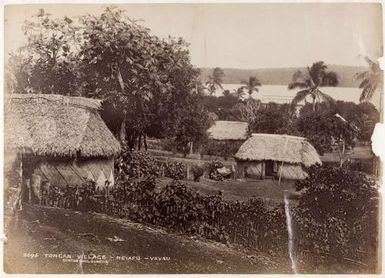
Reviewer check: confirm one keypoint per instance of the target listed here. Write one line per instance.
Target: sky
(243, 35)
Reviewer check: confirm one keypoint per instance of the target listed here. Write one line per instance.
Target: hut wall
(292, 171)
(250, 169)
(256, 170)
(61, 173)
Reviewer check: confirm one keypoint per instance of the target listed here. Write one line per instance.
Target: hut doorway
(269, 168)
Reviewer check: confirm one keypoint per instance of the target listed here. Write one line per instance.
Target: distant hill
(282, 76)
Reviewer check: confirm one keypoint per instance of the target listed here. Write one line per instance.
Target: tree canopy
(148, 84)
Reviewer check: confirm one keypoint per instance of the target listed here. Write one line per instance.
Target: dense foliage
(197, 172)
(178, 209)
(175, 170)
(148, 84)
(337, 217)
(133, 164)
(212, 169)
(222, 106)
(270, 118)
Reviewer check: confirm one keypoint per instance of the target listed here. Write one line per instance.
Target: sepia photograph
(192, 138)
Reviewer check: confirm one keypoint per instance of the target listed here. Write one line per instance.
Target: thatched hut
(57, 140)
(225, 138)
(276, 156)
(228, 131)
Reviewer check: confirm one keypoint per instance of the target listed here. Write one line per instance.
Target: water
(290, 235)
(281, 94)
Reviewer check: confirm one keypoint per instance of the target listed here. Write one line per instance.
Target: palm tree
(251, 86)
(215, 80)
(371, 80)
(239, 93)
(310, 81)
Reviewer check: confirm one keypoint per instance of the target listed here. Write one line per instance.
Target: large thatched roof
(228, 130)
(55, 125)
(278, 147)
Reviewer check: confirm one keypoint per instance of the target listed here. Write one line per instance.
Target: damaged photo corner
(193, 138)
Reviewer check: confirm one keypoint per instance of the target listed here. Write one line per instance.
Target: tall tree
(46, 63)
(215, 80)
(370, 80)
(251, 85)
(143, 80)
(310, 81)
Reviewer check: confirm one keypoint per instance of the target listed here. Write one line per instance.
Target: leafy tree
(46, 63)
(142, 80)
(270, 118)
(251, 85)
(370, 80)
(310, 81)
(221, 106)
(215, 80)
(246, 110)
(363, 116)
(324, 129)
(190, 124)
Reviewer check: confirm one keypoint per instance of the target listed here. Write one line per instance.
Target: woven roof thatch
(291, 149)
(228, 130)
(54, 125)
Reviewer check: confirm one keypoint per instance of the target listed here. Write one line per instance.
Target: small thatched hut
(228, 131)
(225, 138)
(57, 140)
(275, 155)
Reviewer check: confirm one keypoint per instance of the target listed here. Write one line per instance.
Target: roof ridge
(88, 103)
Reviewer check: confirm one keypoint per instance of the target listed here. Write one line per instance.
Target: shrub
(132, 164)
(212, 168)
(197, 172)
(337, 215)
(175, 170)
(177, 208)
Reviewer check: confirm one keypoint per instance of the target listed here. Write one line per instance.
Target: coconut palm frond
(325, 97)
(367, 93)
(297, 85)
(219, 84)
(255, 82)
(370, 79)
(300, 96)
(361, 75)
(364, 83)
(317, 72)
(370, 62)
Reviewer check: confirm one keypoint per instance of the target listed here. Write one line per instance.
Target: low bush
(212, 168)
(197, 172)
(132, 164)
(175, 170)
(337, 217)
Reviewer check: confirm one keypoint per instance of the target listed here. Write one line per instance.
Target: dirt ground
(49, 240)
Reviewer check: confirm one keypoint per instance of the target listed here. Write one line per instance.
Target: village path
(50, 232)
